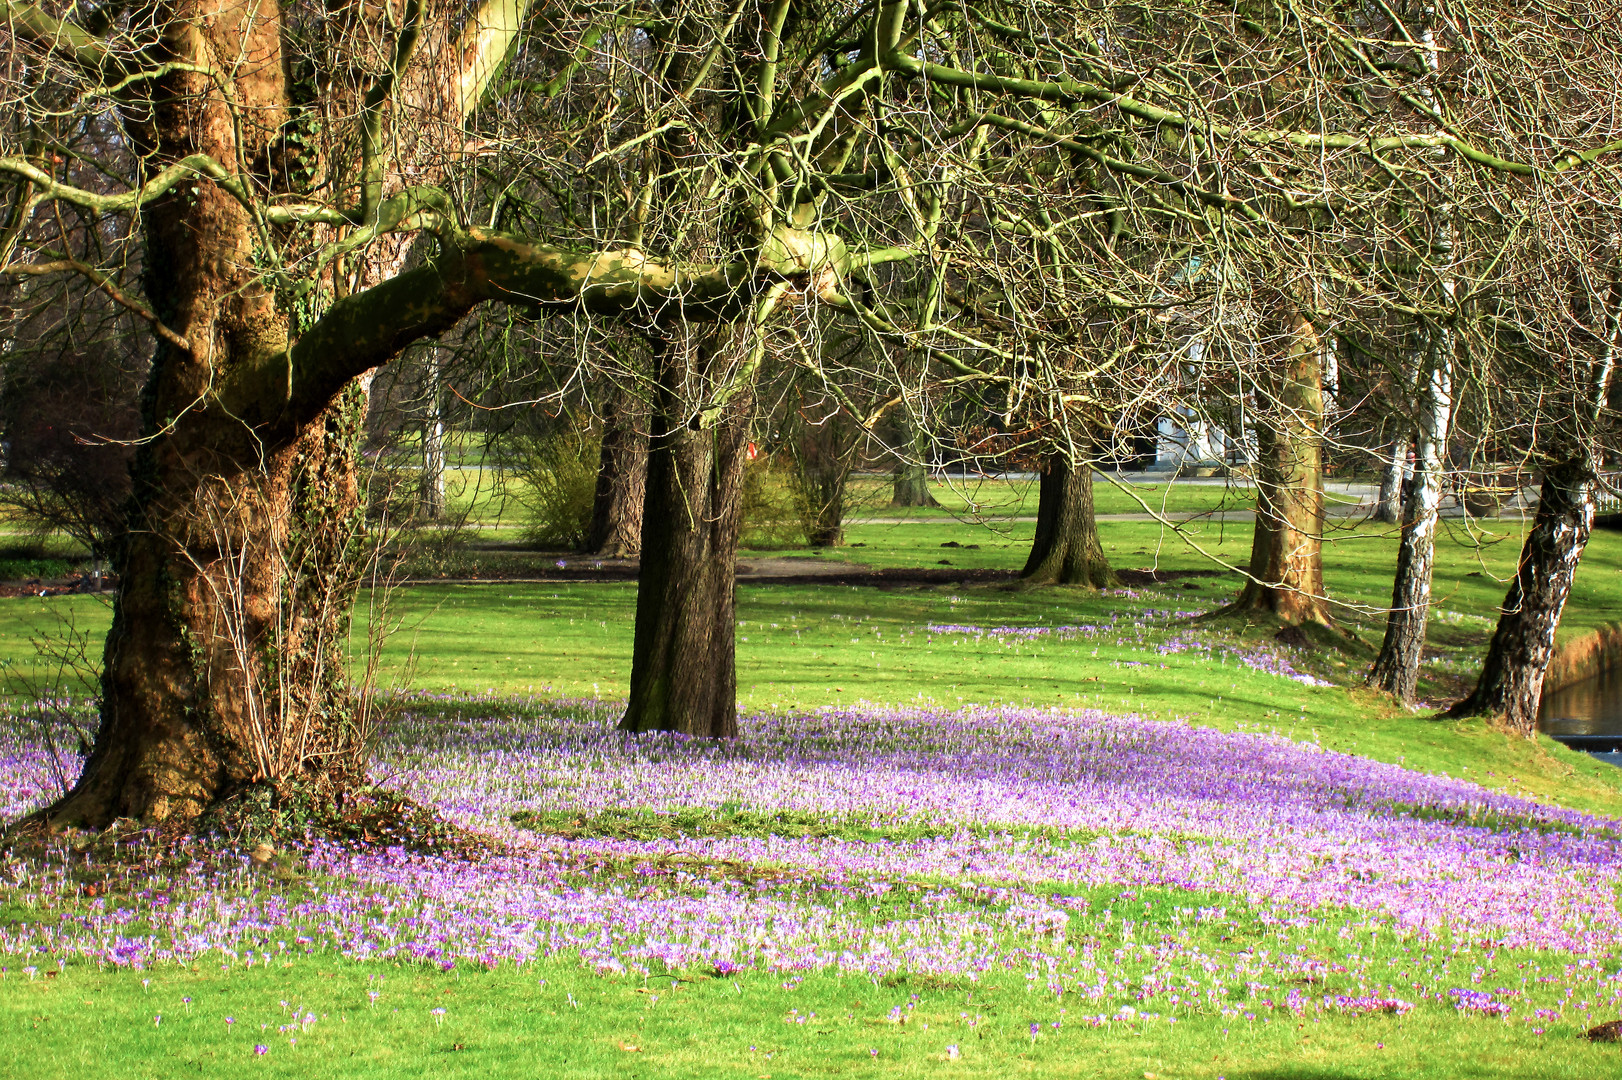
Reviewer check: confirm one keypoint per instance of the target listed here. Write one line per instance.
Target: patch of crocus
(1011, 836)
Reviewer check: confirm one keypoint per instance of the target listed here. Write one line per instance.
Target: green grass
(557, 1020)
(805, 646)
(726, 821)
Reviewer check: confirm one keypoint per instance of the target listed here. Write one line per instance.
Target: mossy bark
(1286, 554)
(224, 666)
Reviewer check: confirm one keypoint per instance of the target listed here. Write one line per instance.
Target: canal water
(1592, 707)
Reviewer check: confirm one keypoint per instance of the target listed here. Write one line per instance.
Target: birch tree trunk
(1511, 682)
(1388, 506)
(1396, 670)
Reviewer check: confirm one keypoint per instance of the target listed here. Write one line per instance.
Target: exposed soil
(1610, 1031)
(70, 585)
(810, 570)
(763, 569)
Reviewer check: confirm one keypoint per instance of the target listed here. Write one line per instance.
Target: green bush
(771, 514)
(555, 482)
(24, 569)
(21, 561)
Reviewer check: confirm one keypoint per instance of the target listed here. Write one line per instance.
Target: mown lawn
(560, 1020)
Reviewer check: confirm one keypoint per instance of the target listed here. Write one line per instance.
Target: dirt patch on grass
(804, 570)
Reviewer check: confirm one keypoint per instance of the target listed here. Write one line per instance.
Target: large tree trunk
(622, 474)
(225, 666)
(1286, 556)
(1396, 670)
(1388, 504)
(1067, 550)
(208, 639)
(683, 666)
(1511, 680)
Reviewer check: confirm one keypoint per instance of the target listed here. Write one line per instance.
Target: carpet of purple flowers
(1126, 867)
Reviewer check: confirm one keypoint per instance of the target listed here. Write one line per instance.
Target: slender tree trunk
(622, 474)
(683, 667)
(1511, 680)
(822, 462)
(1067, 550)
(822, 495)
(431, 496)
(1388, 507)
(1286, 557)
(912, 473)
(825, 526)
(1396, 670)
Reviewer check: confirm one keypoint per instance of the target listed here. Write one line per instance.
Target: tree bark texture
(225, 665)
(1511, 682)
(622, 475)
(1286, 554)
(1067, 550)
(1388, 504)
(200, 637)
(683, 666)
(822, 463)
(1396, 669)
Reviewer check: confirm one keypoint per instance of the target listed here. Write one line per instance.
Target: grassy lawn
(560, 1020)
(1236, 973)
